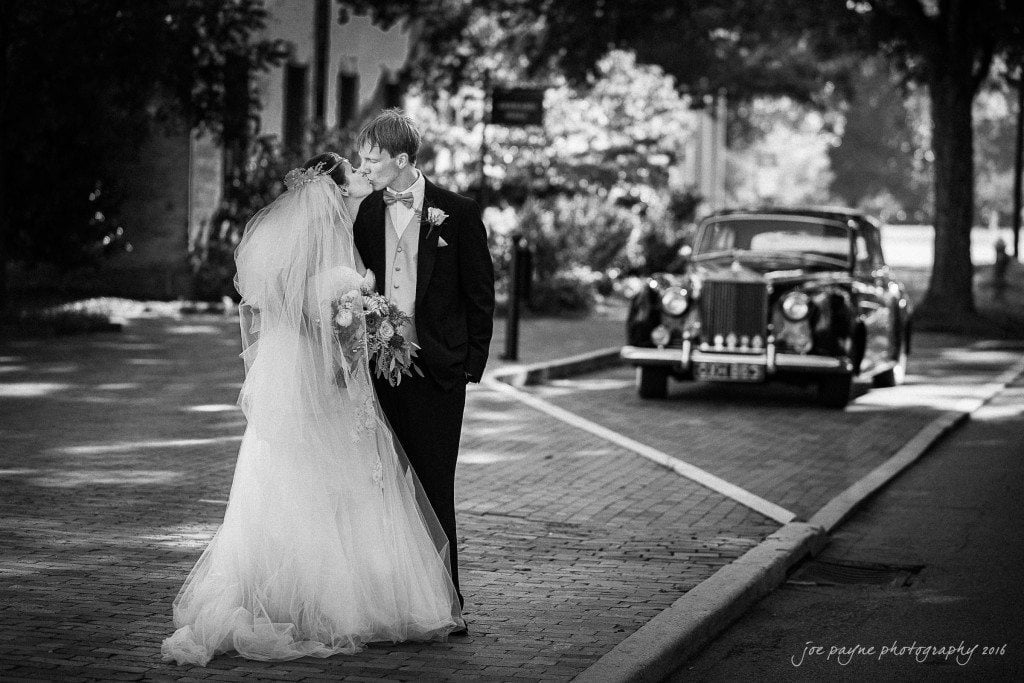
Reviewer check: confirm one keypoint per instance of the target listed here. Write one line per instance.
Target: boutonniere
(433, 217)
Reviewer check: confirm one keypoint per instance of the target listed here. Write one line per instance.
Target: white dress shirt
(400, 213)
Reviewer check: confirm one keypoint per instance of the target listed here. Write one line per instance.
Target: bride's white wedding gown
(328, 542)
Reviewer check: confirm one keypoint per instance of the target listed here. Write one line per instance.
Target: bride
(328, 541)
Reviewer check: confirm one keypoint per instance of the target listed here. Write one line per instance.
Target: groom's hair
(393, 131)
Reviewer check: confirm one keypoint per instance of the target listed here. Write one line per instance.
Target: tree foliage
(792, 48)
(85, 83)
(744, 48)
(619, 134)
(883, 161)
(950, 47)
(787, 161)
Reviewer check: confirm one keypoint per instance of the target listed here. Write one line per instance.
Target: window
(295, 107)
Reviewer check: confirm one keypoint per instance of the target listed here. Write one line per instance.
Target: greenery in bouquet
(390, 352)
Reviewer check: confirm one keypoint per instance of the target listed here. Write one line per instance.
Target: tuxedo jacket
(454, 313)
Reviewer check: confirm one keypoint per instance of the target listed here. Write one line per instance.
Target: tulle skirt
(327, 543)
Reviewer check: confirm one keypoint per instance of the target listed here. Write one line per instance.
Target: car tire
(652, 382)
(893, 377)
(834, 392)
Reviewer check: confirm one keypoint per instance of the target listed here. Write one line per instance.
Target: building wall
(174, 184)
(355, 46)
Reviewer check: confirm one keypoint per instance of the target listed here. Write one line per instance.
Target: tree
(785, 159)
(85, 83)
(882, 161)
(950, 47)
(708, 47)
(772, 47)
(621, 132)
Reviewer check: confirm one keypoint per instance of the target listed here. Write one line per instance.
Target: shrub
(565, 293)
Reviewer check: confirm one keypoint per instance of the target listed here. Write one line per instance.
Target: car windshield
(801, 238)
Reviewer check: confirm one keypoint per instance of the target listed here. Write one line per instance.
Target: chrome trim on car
(796, 361)
(638, 354)
(714, 357)
(733, 307)
(687, 352)
(772, 361)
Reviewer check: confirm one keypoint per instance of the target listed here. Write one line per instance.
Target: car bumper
(683, 359)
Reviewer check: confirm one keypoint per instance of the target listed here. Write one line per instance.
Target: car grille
(737, 307)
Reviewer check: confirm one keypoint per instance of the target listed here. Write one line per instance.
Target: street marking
(684, 469)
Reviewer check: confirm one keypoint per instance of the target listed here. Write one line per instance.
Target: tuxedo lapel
(428, 242)
(376, 223)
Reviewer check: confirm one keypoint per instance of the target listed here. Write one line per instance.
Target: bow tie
(402, 197)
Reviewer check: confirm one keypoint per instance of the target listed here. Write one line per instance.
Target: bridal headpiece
(301, 176)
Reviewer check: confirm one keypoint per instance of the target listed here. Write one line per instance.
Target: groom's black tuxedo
(454, 318)
(454, 283)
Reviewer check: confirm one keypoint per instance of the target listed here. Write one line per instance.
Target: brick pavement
(772, 439)
(118, 452)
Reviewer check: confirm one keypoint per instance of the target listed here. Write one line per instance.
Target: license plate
(730, 372)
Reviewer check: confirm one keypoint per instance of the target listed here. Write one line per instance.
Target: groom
(427, 248)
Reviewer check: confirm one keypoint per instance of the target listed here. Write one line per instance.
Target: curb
(538, 373)
(842, 506)
(655, 650)
(678, 633)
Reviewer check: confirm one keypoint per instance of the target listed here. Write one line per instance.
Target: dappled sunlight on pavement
(774, 440)
(115, 475)
(130, 446)
(29, 389)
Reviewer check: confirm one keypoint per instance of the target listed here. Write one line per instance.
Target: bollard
(516, 289)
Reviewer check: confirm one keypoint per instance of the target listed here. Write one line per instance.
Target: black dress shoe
(464, 631)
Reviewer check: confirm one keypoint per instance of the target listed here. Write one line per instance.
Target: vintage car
(797, 295)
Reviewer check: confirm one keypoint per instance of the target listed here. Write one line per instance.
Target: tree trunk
(5, 227)
(1018, 164)
(950, 293)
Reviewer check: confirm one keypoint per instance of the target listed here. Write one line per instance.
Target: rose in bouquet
(391, 353)
(347, 322)
(373, 325)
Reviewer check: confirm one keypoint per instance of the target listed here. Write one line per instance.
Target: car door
(893, 293)
(873, 296)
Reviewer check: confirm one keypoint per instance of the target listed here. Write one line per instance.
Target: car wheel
(652, 382)
(894, 376)
(834, 392)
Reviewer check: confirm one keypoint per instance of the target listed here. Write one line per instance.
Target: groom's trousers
(428, 423)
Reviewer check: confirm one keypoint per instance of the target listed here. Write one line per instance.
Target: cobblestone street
(118, 451)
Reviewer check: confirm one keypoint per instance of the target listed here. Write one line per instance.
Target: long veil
(328, 540)
(295, 259)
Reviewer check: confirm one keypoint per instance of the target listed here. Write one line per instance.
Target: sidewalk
(947, 538)
(546, 339)
(116, 455)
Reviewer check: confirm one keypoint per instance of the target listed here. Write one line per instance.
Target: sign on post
(517, 106)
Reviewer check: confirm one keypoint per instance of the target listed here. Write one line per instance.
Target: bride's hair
(330, 160)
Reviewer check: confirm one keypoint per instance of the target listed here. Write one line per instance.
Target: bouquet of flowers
(346, 316)
(391, 353)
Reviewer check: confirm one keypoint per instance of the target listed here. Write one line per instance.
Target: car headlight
(796, 306)
(675, 300)
(660, 335)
